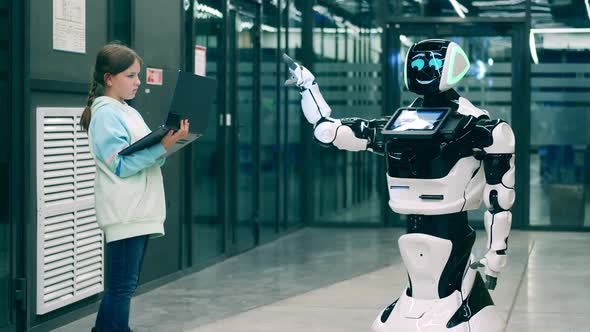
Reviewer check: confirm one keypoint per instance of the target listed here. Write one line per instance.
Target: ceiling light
(561, 30)
(269, 28)
(481, 70)
(209, 10)
(457, 6)
(496, 3)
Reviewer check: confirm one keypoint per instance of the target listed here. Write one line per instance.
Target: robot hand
(300, 76)
(312, 103)
(493, 263)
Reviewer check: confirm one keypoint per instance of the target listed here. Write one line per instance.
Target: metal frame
(521, 100)
(278, 67)
(184, 212)
(254, 9)
(231, 101)
(282, 182)
(256, 132)
(224, 130)
(17, 49)
(390, 81)
(22, 143)
(307, 204)
(187, 42)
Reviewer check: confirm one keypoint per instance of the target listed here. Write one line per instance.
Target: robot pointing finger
(443, 157)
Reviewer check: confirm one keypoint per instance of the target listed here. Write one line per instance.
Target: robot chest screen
(417, 123)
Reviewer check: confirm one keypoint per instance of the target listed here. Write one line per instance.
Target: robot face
(434, 65)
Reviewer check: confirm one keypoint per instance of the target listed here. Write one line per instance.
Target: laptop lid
(193, 100)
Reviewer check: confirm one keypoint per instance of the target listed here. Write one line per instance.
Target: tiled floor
(339, 279)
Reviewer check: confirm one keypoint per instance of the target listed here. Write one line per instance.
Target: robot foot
(450, 314)
(433, 320)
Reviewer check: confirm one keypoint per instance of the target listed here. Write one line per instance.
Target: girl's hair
(111, 59)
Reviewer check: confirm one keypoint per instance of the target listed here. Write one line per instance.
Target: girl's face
(124, 85)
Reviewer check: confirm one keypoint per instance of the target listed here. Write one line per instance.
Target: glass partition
(207, 229)
(347, 49)
(244, 20)
(292, 120)
(560, 150)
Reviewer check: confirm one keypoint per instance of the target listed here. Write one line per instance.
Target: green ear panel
(451, 77)
(406, 70)
(406, 77)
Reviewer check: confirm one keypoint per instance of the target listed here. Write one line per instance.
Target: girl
(129, 190)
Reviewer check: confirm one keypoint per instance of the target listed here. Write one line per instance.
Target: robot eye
(418, 63)
(436, 63)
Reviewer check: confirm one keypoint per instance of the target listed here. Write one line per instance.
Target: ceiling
(544, 13)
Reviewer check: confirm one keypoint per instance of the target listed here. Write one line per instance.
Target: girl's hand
(173, 137)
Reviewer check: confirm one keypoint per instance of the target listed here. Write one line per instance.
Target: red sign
(154, 76)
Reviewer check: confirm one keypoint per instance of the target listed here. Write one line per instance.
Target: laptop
(193, 100)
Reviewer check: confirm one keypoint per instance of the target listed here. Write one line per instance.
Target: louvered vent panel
(70, 245)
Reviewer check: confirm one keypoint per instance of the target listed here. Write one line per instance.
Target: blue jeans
(125, 258)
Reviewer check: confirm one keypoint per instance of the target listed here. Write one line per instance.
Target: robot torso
(443, 174)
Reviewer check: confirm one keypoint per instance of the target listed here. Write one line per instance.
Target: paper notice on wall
(69, 25)
(200, 60)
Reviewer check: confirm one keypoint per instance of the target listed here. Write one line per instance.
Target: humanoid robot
(443, 157)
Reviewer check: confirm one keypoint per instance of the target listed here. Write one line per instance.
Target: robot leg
(420, 308)
(440, 297)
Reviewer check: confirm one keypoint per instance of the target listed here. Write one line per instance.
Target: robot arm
(499, 197)
(352, 134)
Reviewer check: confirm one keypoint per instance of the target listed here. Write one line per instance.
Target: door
(244, 114)
(494, 81)
(207, 175)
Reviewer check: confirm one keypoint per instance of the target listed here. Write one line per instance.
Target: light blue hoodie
(129, 190)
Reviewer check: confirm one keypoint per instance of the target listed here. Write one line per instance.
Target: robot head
(434, 65)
